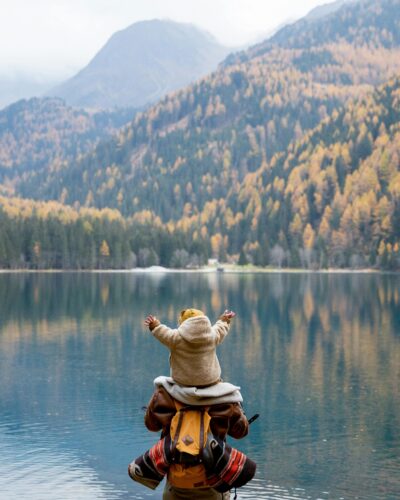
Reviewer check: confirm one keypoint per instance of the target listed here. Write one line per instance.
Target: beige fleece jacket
(193, 357)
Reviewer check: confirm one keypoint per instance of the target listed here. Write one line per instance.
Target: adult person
(223, 402)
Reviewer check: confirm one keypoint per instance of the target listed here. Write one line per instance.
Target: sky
(52, 39)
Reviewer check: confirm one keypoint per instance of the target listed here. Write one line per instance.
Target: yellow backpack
(189, 430)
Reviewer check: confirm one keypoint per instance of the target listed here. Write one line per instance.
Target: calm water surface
(318, 356)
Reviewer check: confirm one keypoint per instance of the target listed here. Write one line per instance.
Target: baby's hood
(196, 330)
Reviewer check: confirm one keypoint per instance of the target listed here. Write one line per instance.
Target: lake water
(317, 355)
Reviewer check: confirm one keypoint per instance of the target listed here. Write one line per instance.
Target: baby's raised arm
(221, 327)
(151, 322)
(165, 335)
(227, 316)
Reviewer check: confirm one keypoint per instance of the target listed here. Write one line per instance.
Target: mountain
(331, 199)
(227, 123)
(288, 155)
(44, 133)
(374, 24)
(325, 9)
(363, 23)
(142, 63)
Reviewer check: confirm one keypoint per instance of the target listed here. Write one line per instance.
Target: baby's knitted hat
(189, 313)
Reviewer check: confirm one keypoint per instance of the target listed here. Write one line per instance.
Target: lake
(317, 355)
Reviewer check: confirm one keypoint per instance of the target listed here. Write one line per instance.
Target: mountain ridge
(141, 63)
(285, 92)
(340, 26)
(326, 9)
(289, 157)
(44, 133)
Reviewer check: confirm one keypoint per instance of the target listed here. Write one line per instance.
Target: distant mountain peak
(141, 63)
(354, 22)
(326, 9)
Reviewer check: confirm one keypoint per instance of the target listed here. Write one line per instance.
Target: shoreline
(228, 269)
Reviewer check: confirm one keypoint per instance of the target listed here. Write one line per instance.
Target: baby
(192, 346)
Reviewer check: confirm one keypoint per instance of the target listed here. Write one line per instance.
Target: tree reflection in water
(318, 355)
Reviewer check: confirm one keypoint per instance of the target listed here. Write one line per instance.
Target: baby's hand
(151, 322)
(227, 316)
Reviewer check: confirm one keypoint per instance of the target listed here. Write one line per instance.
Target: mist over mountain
(325, 9)
(16, 87)
(142, 63)
(372, 24)
(362, 22)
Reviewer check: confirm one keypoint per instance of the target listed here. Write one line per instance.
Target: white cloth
(222, 392)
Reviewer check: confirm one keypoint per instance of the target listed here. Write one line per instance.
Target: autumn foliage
(287, 155)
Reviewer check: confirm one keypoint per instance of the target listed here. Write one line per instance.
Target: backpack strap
(202, 444)
(181, 410)
(178, 427)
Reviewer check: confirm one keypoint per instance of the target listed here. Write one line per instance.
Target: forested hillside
(368, 23)
(45, 133)
(331, 199)
(287, 155)
(195, 145)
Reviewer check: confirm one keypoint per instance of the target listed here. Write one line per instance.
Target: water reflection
(31, 463)
(317, 355)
